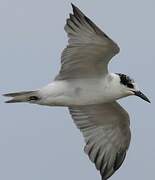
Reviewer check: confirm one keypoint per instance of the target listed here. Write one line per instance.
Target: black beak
(141, 95)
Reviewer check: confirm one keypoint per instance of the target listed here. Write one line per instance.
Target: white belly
(77, 92)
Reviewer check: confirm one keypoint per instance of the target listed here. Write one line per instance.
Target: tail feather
(12, 101)
(18, 93)
(24, 96)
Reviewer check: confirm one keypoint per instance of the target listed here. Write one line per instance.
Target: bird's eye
(129, 85)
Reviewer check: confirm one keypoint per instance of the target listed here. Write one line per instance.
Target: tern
(90, 92)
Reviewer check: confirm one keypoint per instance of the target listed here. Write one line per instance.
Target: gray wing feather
(106, 131)
(89, 49)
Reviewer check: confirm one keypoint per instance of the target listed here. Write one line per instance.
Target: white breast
(77, 92)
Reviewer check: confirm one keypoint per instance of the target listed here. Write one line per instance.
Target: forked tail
(25, 96)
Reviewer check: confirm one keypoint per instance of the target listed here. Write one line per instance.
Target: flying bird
(85, 85)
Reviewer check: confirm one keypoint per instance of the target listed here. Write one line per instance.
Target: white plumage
(90, 92)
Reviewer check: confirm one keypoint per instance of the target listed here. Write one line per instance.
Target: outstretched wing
(89, 49)
(106, 131)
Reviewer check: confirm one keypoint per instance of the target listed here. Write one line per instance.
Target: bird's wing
(89, 49)
(105, 128)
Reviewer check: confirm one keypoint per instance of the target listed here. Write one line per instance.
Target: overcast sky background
(42, 143)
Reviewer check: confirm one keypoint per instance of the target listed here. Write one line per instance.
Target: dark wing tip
(73, 6)
(79, 15)
(77, 12)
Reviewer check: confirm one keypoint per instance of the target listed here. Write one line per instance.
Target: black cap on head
(126, 80)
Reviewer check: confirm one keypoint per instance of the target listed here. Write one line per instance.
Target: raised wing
(106, 131)
(89, 49)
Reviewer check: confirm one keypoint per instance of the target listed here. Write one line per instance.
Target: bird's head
(129, 87)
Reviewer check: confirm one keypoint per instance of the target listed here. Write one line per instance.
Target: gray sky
(42, 143)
